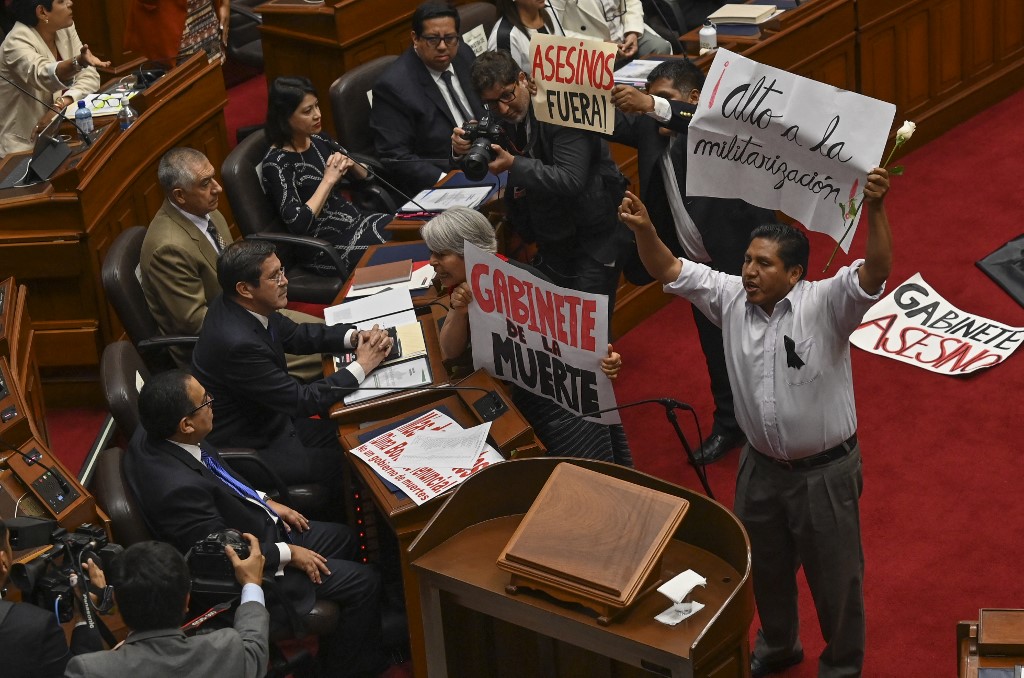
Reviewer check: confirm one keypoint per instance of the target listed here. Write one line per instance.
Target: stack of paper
(441, 198)
(635, 72)
(742, 14)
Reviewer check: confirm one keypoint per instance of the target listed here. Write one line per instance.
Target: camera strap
(191, 627)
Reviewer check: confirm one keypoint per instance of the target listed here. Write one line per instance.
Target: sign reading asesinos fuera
(574, 80)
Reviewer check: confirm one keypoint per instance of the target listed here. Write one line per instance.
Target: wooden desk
(995, 641)
(512, 436)
(17, 345)
(475, 628)
(56, 234)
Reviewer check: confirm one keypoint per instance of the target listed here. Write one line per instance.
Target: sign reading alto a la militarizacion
(574, 81)
(781, 141)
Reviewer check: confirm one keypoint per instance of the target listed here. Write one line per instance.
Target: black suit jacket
(183, 501)
(32, 644)
(243, 367)
(724, 223)
(411, 120)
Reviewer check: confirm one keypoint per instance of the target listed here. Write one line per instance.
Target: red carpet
(940, 457)
(940, 502)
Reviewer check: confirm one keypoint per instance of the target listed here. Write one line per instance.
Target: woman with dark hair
(519, 20)
(563, 433)
(44, 55)
(301, 172)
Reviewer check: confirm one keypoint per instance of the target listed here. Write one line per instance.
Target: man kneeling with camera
(187, 492)
(152, 585)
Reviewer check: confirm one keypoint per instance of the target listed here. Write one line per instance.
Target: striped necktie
(218, 241)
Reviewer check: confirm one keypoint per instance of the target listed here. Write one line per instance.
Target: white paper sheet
(451, 448)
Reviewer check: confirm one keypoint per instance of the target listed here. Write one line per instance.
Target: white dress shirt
(786, 412)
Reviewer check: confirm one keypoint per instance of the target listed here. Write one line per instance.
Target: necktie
(240, 488)
(466, 115)
(218, 241)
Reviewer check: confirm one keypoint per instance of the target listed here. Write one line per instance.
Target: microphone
(670, 405)
(58, 111)
(338, 148)
(34, 458)
(489, 407)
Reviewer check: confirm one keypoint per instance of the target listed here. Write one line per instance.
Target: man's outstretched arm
(659, 261)
(878, 253)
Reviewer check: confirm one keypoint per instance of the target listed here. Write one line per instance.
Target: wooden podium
(57, 233)
(474, 628)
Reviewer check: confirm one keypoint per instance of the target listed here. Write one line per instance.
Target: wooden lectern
(474, 628)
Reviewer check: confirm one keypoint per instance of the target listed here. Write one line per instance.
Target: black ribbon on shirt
(792, 359)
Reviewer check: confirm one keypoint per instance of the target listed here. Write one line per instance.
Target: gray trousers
(811, 518)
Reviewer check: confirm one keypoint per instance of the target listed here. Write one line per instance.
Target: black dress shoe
(717, 446)
(759, 667)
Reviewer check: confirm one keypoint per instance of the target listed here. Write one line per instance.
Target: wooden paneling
(100, 24)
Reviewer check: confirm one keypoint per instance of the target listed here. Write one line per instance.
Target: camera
(46, 580)
(207, 559)
(481, 134)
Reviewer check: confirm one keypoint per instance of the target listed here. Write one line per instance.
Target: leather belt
(820, 459)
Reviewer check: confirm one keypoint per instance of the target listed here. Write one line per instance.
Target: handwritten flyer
(782, 141)
(574, 82)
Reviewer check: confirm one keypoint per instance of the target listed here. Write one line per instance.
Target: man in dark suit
(178, 262)
(422, 97)
(187, 492)
(32, 643)
(240, 359)
(714, 231)
(152, 585)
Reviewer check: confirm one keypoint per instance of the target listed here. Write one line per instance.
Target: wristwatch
(78, 64)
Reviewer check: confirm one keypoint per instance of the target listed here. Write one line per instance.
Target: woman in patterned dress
(301, 174)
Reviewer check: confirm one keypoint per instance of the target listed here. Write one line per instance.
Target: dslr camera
(46, 580)
(213, 577)
(481, 134)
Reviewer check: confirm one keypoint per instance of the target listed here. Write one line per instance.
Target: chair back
(473, 14)
(121, 368)
(119, 273)
(352, 107)
(240, 175)
(116, 499)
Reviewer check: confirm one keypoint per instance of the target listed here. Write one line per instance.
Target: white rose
(905, 132)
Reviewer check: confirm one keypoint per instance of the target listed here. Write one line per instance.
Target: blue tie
(241, 488)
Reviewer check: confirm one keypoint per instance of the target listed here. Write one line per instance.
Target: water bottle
(127, 116)
(83, 121)
(708, 36)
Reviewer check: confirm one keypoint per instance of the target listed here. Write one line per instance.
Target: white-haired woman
(561, 432)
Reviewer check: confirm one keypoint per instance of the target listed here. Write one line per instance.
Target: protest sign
(915, 325)
(547, 339)
(383, 452)
(574, 82)
(781, 141)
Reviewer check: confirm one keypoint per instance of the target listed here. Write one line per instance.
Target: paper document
(635, 72)
(677, 590)
(451, 448)
(99, 104)
(383, 380)
(440, 199)
(389, 308)
(422, 483)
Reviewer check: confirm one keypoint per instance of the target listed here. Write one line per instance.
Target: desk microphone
(59, 111)
(670, 405)
(489, 407)
(370, 174)
(35, 458)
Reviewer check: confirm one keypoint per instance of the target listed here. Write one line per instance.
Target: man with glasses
(563, 186)
(187, 491)
(421, 97)
(178, 262)
(240, 360)
(618, 21)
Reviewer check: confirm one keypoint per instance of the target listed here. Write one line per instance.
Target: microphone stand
(370, 174)
(670, 406)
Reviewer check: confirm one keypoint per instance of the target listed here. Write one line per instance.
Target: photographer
(152, 590)
(186, 493)
(563, 185)
(32, 643)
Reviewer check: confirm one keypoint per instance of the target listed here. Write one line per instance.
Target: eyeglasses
(505, 97)
(435, 40)
(613, 13)
(278, 277)
(206, 403)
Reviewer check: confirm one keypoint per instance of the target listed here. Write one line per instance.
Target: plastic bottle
(83, 121)
(708, 36)
(127, 116)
